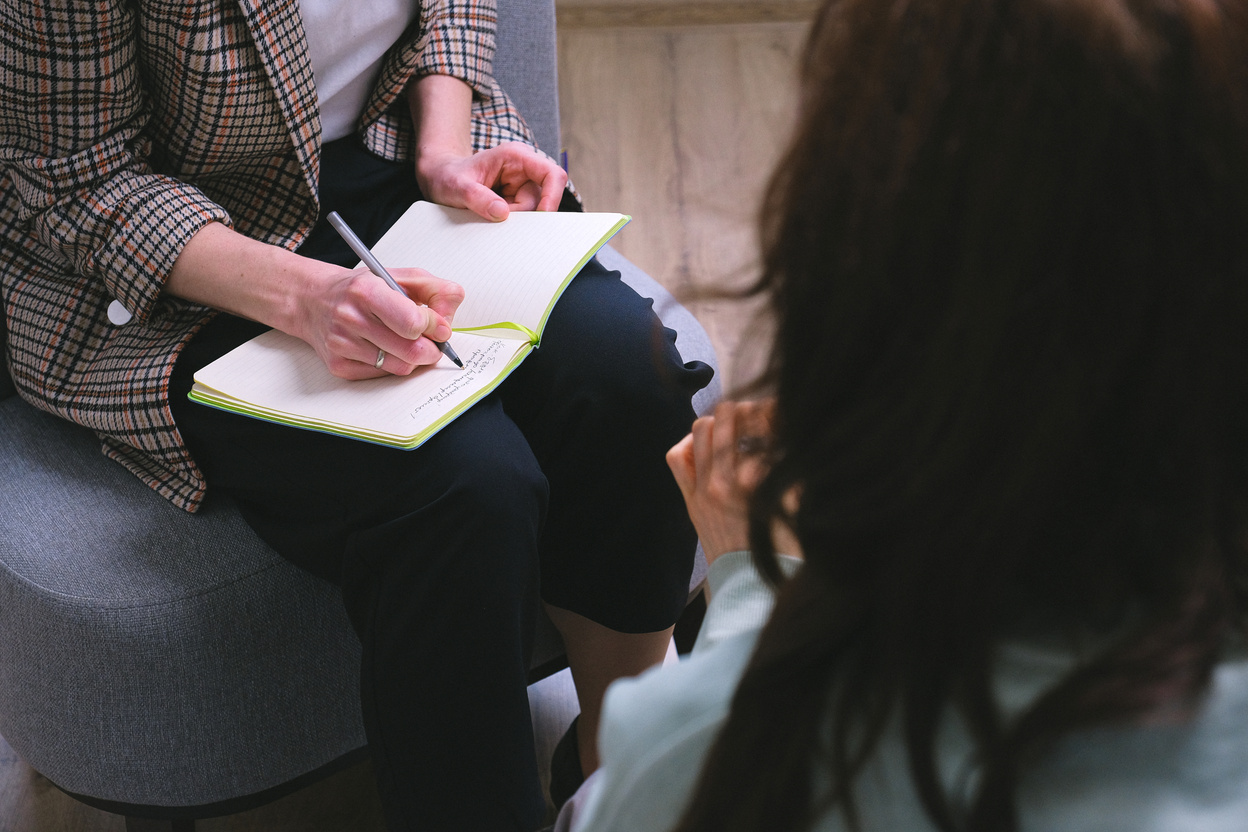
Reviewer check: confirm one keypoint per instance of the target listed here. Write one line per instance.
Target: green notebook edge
(535, 336)
(406, 444)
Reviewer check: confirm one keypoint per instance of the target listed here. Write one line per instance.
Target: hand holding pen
(376, 268)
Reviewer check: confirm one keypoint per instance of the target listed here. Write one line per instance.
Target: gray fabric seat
(166, 665)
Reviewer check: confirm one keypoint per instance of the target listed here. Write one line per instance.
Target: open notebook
(512, 273)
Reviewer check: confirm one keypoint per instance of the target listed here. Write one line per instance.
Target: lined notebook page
(510, 269)
(276, 374)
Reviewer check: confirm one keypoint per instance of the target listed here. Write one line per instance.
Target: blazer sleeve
(72, 142)
(459, 41)
(456, 38)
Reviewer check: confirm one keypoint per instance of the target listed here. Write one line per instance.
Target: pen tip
(450, 353)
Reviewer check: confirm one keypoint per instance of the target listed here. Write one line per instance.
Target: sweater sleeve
(741, 600)
(73, 148)
(656, 728)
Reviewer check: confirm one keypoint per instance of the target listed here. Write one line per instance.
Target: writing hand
(354, 315)
(345, 315)
(717, 467)
(494, 182)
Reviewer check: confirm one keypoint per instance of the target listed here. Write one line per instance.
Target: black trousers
(554, 487)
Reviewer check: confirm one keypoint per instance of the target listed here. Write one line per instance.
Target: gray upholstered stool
(164, 665)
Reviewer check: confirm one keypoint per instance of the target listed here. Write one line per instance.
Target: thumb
(485, 203)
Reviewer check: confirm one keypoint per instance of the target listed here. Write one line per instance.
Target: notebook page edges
(280, 378)
(576, 269)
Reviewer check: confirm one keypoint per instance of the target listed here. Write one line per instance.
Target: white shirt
(347, 40)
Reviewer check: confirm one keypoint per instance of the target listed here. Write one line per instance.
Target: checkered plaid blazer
(126, 126)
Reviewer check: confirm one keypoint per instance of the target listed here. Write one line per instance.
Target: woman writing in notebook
(167, 169)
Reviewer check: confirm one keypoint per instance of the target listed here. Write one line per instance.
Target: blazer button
(118, 314)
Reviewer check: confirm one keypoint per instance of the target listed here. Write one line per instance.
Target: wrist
(441, 108)
(432, 160)
(225, 270)
(305, 282)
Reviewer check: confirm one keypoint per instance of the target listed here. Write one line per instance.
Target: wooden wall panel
(680, 127)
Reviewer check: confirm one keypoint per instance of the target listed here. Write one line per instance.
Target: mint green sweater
(1171, 776)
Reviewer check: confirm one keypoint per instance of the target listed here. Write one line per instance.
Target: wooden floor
(667, 117)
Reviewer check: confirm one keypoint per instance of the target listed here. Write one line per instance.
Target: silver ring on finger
(381, 357)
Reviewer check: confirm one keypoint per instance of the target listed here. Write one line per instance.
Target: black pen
(374, 266)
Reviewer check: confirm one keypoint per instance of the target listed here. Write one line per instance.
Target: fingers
(718, 466)
(724, 456)
(462, 181)
(552, 190)
(751, 442)
(680, 460)
(442, 296)
(408, 334)
(723, 446)
(492, 183)
(521, 176)
(424, 309)
(377, 331)
(484, 202)
(704, 465)
(527, 198)
(703, 433)
(362, 357)
(546, 181)
(407, 319)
